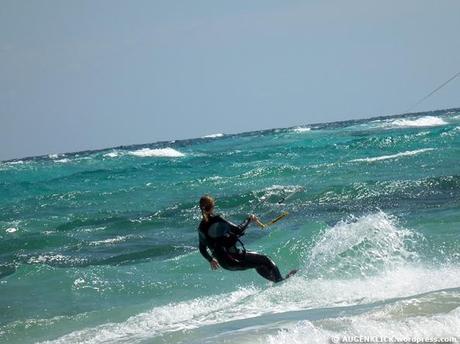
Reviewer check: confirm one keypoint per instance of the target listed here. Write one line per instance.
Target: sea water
(101, 246)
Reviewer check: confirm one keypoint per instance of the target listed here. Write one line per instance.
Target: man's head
(207, 204)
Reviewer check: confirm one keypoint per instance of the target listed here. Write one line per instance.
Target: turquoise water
(101, 246)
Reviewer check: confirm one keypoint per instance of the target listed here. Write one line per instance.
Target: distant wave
(16, 162)
(211, 136)
(113, 154)
(158, 152)
(427, 121)
(301, 129)
(62, 161)
(110, 241)
(393, 156)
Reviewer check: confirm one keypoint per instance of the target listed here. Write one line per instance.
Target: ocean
(101, 246)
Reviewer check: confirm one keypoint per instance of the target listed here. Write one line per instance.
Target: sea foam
(113, 154)
(301, 129)
(372, 325)
(157, 152)
(393, 156)
(212, 136)
(426, 121)
(399, 276)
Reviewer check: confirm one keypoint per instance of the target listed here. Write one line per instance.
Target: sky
(89, 74)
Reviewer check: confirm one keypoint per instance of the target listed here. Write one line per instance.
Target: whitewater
(101, 246)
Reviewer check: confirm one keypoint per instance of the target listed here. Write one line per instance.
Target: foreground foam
(157, 152)
(398, 273)
(296, 294)
(362, 246)
(378, 323)
(173, 317)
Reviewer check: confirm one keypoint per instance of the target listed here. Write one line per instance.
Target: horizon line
(122, 146)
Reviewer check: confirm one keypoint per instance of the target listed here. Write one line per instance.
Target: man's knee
(268, 262)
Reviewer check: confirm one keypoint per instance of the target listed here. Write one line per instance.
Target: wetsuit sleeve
(204, 248)
(243, 225)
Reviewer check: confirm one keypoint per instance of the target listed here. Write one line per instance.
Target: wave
(113, 154)
(377, 324)
(385, 264)
(62, 161)
(212, 136)
(56, 260)
(250, 303)
(15, 162)
(361, 246)
(426, 121)
(111, 241)
(393, 156)
(301, 129)
(11, 230)
(157, 152)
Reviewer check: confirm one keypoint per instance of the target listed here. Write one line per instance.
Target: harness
(220, 234)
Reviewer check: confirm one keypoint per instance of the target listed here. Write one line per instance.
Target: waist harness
(220, 234)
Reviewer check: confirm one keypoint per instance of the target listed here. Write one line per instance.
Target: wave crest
(426, 121)
(157, 152)
(362, 246)
(394, 156)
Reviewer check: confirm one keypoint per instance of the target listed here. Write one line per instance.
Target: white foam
(157, 152)
(113, 154)
(301, 129)
(314, 287)
(361, 246)
(212, 136)
(17, 162)
(444, 325)
(11, 230)
(53, 156)
(451, 133)
(62, 161)
(393, 156)
(427, 121)
(296, 294)
(54, 259)
(172, 317)
(111, 241)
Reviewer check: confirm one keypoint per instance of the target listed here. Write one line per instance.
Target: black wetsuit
(221, 237)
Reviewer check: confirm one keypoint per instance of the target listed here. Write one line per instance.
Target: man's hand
(255, 219)
(214, 264)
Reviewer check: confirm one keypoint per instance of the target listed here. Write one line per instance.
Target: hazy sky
(78, 75)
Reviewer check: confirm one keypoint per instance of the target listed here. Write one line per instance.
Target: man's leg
(263, 265)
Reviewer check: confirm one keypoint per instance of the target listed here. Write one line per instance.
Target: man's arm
(204, 252)
(204, 248)
(243, 225)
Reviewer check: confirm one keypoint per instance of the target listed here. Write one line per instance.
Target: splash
(380, 264)
(362, 246)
